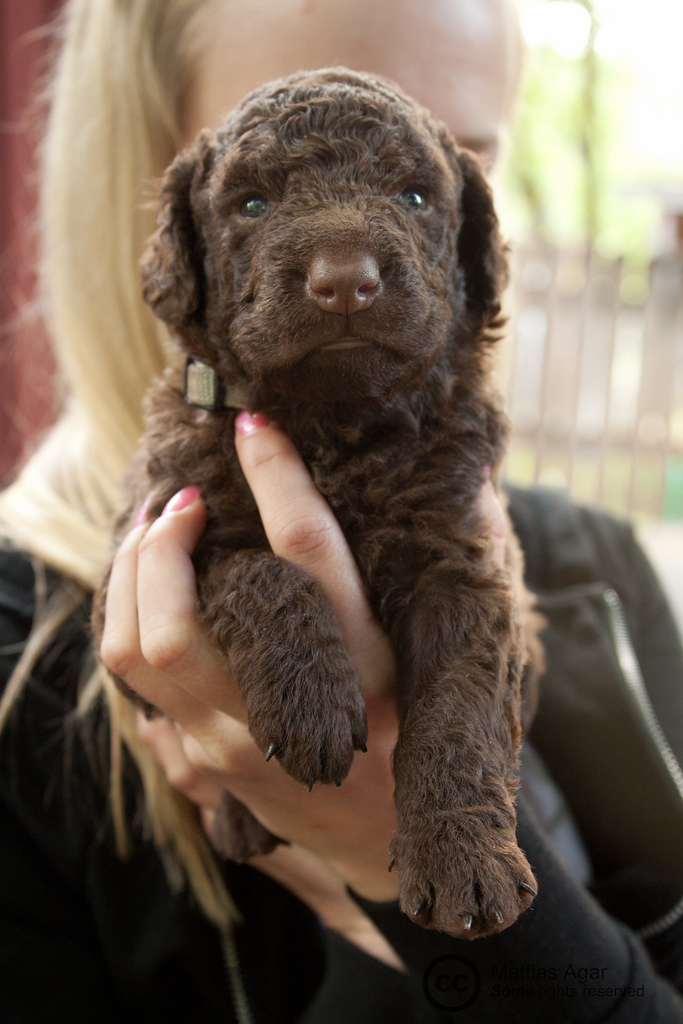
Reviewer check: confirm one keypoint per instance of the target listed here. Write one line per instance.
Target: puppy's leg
(283, 645)
(455, 763)
(236, 834)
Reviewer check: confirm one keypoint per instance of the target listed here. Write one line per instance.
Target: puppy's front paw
(311, 718)
(458, 882)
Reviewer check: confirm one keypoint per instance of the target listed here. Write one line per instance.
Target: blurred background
(591, 197)
(27, 390)
(594, 200)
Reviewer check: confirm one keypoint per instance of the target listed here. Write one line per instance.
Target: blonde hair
(115, 98)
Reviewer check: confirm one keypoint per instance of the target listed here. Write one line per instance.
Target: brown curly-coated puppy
(335, 260)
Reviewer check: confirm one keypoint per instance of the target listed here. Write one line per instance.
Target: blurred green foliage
(570, 176)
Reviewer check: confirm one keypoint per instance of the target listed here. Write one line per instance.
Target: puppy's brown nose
(343, 285)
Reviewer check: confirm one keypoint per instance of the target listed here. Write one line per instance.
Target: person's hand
(152, 640)
(299, 870)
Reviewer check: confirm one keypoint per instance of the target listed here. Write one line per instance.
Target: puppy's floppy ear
(482, 264)
(481, 252)
(172, 268)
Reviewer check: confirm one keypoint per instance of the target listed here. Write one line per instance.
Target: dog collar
(205, 390)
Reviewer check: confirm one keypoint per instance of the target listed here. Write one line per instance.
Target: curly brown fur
(395, 426)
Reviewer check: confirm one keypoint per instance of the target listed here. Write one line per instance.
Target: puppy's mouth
(344, 344)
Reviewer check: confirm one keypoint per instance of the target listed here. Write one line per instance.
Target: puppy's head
(328, 243)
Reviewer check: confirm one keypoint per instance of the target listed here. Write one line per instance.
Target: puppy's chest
(401, 508)
(391, 486)
(401, 499)
(406, 489)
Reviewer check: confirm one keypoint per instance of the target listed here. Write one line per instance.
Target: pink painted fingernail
(182, 499)
(141, 517)
(248, 423)
(486, 472)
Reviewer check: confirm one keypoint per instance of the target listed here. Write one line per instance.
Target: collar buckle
(203, 387)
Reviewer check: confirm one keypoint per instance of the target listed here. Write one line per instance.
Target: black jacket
(85, 936)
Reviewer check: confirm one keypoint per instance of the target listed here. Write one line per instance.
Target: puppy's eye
(255, 206)
(413, 199)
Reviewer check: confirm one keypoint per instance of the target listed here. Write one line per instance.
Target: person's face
(457, 57)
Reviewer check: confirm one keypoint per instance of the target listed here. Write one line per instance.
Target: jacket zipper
(630, 669)
(240, 1002)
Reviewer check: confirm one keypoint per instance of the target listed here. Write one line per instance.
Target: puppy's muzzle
(343, 285)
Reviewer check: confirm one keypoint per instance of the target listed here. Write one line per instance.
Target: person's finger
(162, 737)
(314, 882)
(194, 753)
(493, 523)
(121, 649)
(301, 527)
(171, 640)
(120, 644)
(300, 870)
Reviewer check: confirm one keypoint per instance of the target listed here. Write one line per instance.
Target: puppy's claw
(391, 863)
(419, 908)
(271, 750)
(469, 918)
(363, 748)
(498, 914)
(311, 780)
(528, 888)
(337, 782)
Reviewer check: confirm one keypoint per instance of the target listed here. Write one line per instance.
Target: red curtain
(27, 404)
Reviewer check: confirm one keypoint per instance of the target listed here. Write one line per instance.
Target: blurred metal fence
(595, 378)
